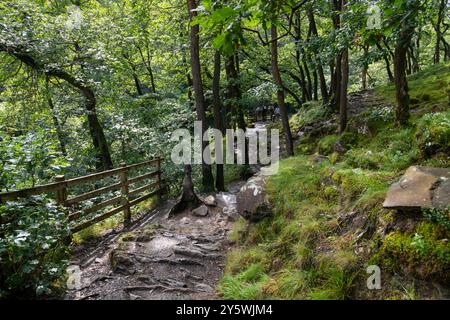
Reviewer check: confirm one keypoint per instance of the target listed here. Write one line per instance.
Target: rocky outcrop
(252, 202)
(420, 188)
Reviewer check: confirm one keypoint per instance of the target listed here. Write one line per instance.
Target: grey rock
(201, 211)
(252, 202)
(419, 188)
(210, 201)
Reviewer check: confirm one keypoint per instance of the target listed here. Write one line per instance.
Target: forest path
(177, 258)
(180, 257)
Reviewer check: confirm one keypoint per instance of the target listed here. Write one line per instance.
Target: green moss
(326, 144)
(433, 133)
(418, 254)
(428, 87)
(311, 112)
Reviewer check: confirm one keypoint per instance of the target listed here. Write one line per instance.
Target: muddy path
(160, 258)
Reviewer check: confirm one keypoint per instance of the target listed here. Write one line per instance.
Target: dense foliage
(86, 85)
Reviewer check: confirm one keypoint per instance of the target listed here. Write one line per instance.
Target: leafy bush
(29, 159)
(441, 217)
(433, 133)
(32, 250)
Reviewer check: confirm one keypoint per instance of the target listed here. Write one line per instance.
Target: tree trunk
(308, 77)
(234, 93)
(316, 85)
(280, 91)
(306, 96)
(344, 84)
(207, 177)
(386, 60)
(104, 161)
(103, 157)
(343, 94)
(437, 28)
(401, 84)
(188, 199)
(323, 83)
(336, 85)
(220, 184)
(364, 69)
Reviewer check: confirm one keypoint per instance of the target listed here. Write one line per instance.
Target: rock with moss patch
(419, 188)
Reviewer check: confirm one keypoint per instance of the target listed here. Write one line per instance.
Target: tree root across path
(181, 257)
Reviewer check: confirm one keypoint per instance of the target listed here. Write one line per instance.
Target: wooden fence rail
(127, 198)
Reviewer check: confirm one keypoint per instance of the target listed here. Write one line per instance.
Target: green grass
(306, 250)
(99, 229)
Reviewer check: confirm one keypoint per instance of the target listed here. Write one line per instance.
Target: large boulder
(420, 188)
(252, 202)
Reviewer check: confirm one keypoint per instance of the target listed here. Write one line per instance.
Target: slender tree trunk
(280, 91)
(323, 83)
(104, 161)
(336, 86)
(364, 69)
(207, 177)
(437, 28)
(401, 84)
(315, 85)
(306, 96)
(234, 93)
(220, 184)
(344, 86)
(387, 63)
(308, 77)
(408, 62)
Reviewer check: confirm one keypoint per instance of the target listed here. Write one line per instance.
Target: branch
(291, 15)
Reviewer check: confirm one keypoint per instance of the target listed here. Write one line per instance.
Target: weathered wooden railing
(127, 198)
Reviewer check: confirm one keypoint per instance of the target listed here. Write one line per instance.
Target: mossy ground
(329, 224)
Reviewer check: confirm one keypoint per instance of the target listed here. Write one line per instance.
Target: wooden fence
(127, 198)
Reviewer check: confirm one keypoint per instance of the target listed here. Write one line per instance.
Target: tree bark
(336, 85)
(188, 199)
(401, 83)
(344, 86)
(323, 83)
(280, 91)
(364, 69)
(437, 28)
(207, 177)
(234, 93)
(386, 60)
(217, 106)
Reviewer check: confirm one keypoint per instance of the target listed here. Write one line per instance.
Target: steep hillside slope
(329, 225)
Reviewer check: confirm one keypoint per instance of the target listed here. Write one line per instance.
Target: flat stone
(201, 211)
(419, 188)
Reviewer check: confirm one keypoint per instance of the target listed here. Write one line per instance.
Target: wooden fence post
(61, 194)
(125, 201)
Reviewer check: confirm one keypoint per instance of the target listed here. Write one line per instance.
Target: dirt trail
(177, 258)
